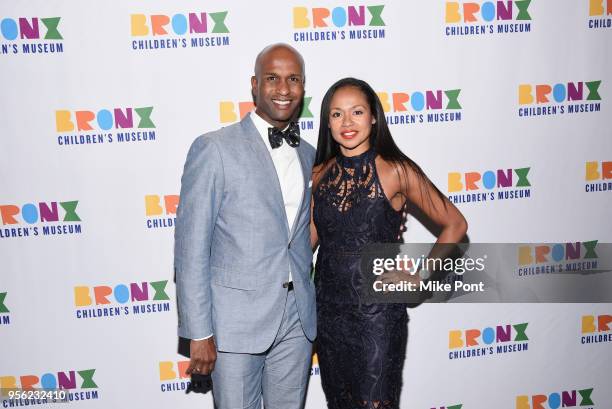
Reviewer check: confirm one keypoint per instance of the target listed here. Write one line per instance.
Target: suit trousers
(279, 375)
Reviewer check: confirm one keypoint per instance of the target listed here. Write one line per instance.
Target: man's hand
(203, 356)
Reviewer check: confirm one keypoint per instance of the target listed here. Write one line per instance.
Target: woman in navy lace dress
(361, 185)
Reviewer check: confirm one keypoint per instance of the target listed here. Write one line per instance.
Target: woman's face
(350, 120)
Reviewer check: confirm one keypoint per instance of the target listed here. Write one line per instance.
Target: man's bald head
(278, 84)
(274, 50)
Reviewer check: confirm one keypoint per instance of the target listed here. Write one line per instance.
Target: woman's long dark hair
(380, 137)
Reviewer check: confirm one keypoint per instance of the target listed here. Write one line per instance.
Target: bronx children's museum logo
(565, 399)
(490, 185)
(404, 107)
(104, 126)
(314, 366)
(181, 30)
(103, 301)
(501, 339)
(596, 329)
(230, 112)
(338, 23)
(172, 376)
(558, 99)
(161, 210)
(31, 35)
(599, 14)
(42, 219)
(464, 18)
(557, 258)
(5, 318)
(80, 385)
(598, 176)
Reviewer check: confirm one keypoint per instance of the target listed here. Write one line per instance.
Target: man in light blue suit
(242, 247)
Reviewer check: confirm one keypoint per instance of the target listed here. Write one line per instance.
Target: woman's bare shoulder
(400, 176)
(392, 170)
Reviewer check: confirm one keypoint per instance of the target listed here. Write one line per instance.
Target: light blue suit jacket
(233, 246)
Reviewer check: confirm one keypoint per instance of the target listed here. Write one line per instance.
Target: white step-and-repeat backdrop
(505, 104)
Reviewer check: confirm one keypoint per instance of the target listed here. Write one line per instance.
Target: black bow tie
(291, 135)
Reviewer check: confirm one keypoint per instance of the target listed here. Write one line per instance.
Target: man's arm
(200, 201)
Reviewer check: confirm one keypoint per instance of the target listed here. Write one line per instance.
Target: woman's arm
(314, 237)
(316, 177)
(403, 183)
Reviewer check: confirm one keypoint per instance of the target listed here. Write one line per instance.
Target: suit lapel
(306, 171)
(260, 152)
(301, 153)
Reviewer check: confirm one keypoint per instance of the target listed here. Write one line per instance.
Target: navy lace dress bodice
(361, 347)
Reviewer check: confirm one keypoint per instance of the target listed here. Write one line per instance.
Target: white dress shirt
(289, 172)
(288, 169)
